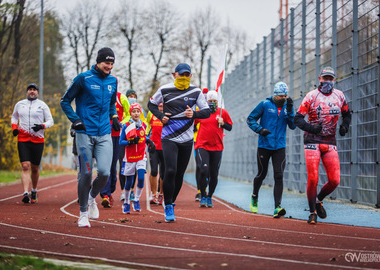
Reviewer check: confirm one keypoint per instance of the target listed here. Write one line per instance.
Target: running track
(224, 237)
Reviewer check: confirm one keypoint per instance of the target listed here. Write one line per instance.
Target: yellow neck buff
(182, 83)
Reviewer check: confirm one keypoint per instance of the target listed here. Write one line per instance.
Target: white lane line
(87, 257)
(274, 229)
(269, 216)
(211, 236)
(41, 189)
(176, 249)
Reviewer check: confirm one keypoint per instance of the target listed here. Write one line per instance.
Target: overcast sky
(256, 17)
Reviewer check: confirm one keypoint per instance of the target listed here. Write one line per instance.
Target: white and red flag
(221, 71)
(130, 131)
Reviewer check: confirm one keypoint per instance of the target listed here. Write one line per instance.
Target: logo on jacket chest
(110, 89)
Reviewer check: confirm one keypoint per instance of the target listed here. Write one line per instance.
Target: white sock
(34, 190)
(126, 195)
(317, 201)
(138, 194)
(90, 198)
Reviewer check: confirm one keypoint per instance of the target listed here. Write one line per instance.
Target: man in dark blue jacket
(94, 92)
(275, 114)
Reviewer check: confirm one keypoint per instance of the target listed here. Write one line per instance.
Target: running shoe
(83, 220)
(253, 206)
(111, 201)
(33, 197)
(131, 196)
(312, 218)
(122, 197)
(279, 212)
(203, 202)
(25, 197)
(126, 208)
(93, 211)
(198, 197)
(136, 206)
(321, 212)
(209, 202)
(106, 202)
(153, 199)
(169, 213)
(160, 199)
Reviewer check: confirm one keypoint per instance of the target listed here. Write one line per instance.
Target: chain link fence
(343, 34)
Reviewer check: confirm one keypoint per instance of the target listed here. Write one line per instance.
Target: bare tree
(205, 26)
(84, 29)
(161, 36)
(130, 23)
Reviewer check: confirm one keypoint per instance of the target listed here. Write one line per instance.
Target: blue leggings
(140, 180)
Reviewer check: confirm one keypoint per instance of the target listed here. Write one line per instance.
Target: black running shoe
(198, 197)
(25, 197)
(312, 218)
(33, 197)
(321, 212)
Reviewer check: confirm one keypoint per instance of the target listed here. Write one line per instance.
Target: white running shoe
(83, 220)
(93, 211)
(122, 197)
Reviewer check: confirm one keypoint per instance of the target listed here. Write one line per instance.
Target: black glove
(264, 132)
(343, 130)
(289, 104)
(151, 146)
(315, 129)
(72, 132)
(116, 124)
(135, 140)
(15, 132)
(78, 125)
(37, 127)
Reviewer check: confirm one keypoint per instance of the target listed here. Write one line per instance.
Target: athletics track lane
(224, 237)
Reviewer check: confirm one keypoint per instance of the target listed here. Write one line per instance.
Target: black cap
(105, 55)
(131, 92)
(32, 85)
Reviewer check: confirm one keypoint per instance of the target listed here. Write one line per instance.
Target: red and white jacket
(26, 114)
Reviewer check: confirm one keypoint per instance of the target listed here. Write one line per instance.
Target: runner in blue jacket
(94, 92)
(275, 114)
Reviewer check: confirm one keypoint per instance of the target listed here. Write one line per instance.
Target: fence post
(264, 90)
(354, 126)
(258, 67)
(334, 41)
(303, 187)
(317, 40)
(378, 113)
(272, 60)
(209, 72)
(282, 50)
(291, 63)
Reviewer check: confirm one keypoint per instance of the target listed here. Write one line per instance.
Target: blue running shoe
(209, 202)
(203, 202)
(169, 213)
(126, 208)
(136, 206)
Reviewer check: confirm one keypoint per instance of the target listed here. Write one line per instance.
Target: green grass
(15, 262)
(11, 176)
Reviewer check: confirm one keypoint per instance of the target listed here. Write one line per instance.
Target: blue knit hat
(280, 89)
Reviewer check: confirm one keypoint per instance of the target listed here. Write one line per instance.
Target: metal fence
(340, 33)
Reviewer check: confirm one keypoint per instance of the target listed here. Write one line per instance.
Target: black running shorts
(29, 151)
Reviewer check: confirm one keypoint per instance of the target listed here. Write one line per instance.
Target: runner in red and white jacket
(30, 118)
(323, 106)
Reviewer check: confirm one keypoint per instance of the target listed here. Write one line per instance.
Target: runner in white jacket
(30, 118)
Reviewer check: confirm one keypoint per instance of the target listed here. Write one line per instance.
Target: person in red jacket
(30, 118)
(134, 139)
(209, 147)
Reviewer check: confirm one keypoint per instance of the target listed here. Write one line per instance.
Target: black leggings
(176, 157)
(278, 162)
(156, 161)
(209, 163)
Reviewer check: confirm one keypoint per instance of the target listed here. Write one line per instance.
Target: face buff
(279, 102)
(213, 107)
(182, 83)
(326, 87)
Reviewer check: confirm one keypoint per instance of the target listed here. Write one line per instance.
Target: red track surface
(223, 237)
